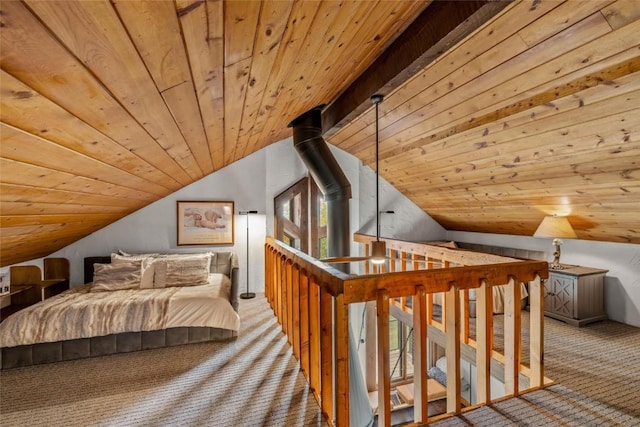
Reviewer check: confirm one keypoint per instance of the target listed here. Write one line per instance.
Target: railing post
(421, 396)
(267, 273)
(536, 332)
(341, 311)
(288, 324)
(367, 267)
(464, 313)
(305, 326)
(445, 264)
(371, 346)
(414, 264)
(452, 331)
(279, 288)
(512, 342)
(295, 312)
(315, 348)
(384, 380)
(326, 352)
(484, 311)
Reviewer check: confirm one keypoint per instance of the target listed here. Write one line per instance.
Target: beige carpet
(252, 381)
(596, 369)
(255, 381)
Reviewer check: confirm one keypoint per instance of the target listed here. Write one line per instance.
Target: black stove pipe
(325, 170)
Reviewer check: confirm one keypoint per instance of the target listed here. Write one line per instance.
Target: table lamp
(555, 227)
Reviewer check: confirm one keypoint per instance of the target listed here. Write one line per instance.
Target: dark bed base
(27, 355)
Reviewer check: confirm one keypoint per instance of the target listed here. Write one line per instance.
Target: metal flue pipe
(326, 172)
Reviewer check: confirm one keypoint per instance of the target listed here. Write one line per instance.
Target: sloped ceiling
(109, 106)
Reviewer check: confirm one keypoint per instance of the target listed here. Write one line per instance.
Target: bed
(128, 303)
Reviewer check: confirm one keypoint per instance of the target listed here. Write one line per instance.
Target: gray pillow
(440, 376)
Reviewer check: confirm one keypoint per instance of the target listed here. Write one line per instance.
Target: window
(400, 351)
(301, 218)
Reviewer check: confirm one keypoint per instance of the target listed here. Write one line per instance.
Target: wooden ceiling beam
(438, 28)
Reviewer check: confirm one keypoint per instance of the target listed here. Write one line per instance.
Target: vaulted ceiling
(496, 113)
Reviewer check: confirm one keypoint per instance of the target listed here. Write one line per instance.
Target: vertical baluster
(483, 343)
(315, 360)
(384, 380)
(305, 327)
(267, 274)
(536, 332)
(371, 345)
(326, 352)
(464, 313)
(452, 331)
(443, 307)
(295, 312)
(286, 300)
(393, 254)
(421, 397)
(279, 288)
(342, 360)
(367, 264)
(512, 333)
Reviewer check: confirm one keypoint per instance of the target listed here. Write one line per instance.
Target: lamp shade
(378, 252)
(555, 226)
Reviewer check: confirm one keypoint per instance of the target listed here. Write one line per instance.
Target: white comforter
(81, 313)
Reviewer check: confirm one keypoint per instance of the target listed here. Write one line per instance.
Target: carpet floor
(596, 373)
(255, 381)
(251, 381)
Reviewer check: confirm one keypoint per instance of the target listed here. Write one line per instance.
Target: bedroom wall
(251, 183)
(153, 228)
(622, 282)
(408, 222)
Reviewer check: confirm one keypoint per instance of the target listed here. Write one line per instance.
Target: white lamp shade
(555, 227)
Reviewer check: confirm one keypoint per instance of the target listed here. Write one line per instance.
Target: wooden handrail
(311, 300)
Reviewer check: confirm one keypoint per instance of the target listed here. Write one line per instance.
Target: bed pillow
(182, 271)
(140, 257)
(147, 265)
(221, 285)
(148, 273)
(127, 254)
(117, 277)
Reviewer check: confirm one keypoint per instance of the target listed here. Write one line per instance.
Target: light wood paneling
(520, 121)
(110, 105)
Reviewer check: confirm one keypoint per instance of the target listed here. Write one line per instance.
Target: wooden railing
(311, 300)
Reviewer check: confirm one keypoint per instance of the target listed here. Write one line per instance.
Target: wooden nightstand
(51, 287)
(19, 297)
(575, 295)
(28, 287)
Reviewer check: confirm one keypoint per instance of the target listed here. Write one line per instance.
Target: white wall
(409, 222)
(622, 282)
(153, 228)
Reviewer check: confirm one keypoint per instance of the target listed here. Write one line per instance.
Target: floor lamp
(247, 295)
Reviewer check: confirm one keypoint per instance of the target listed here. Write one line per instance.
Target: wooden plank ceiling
(107, 106)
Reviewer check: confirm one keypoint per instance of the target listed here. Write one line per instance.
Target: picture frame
(205, 222)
